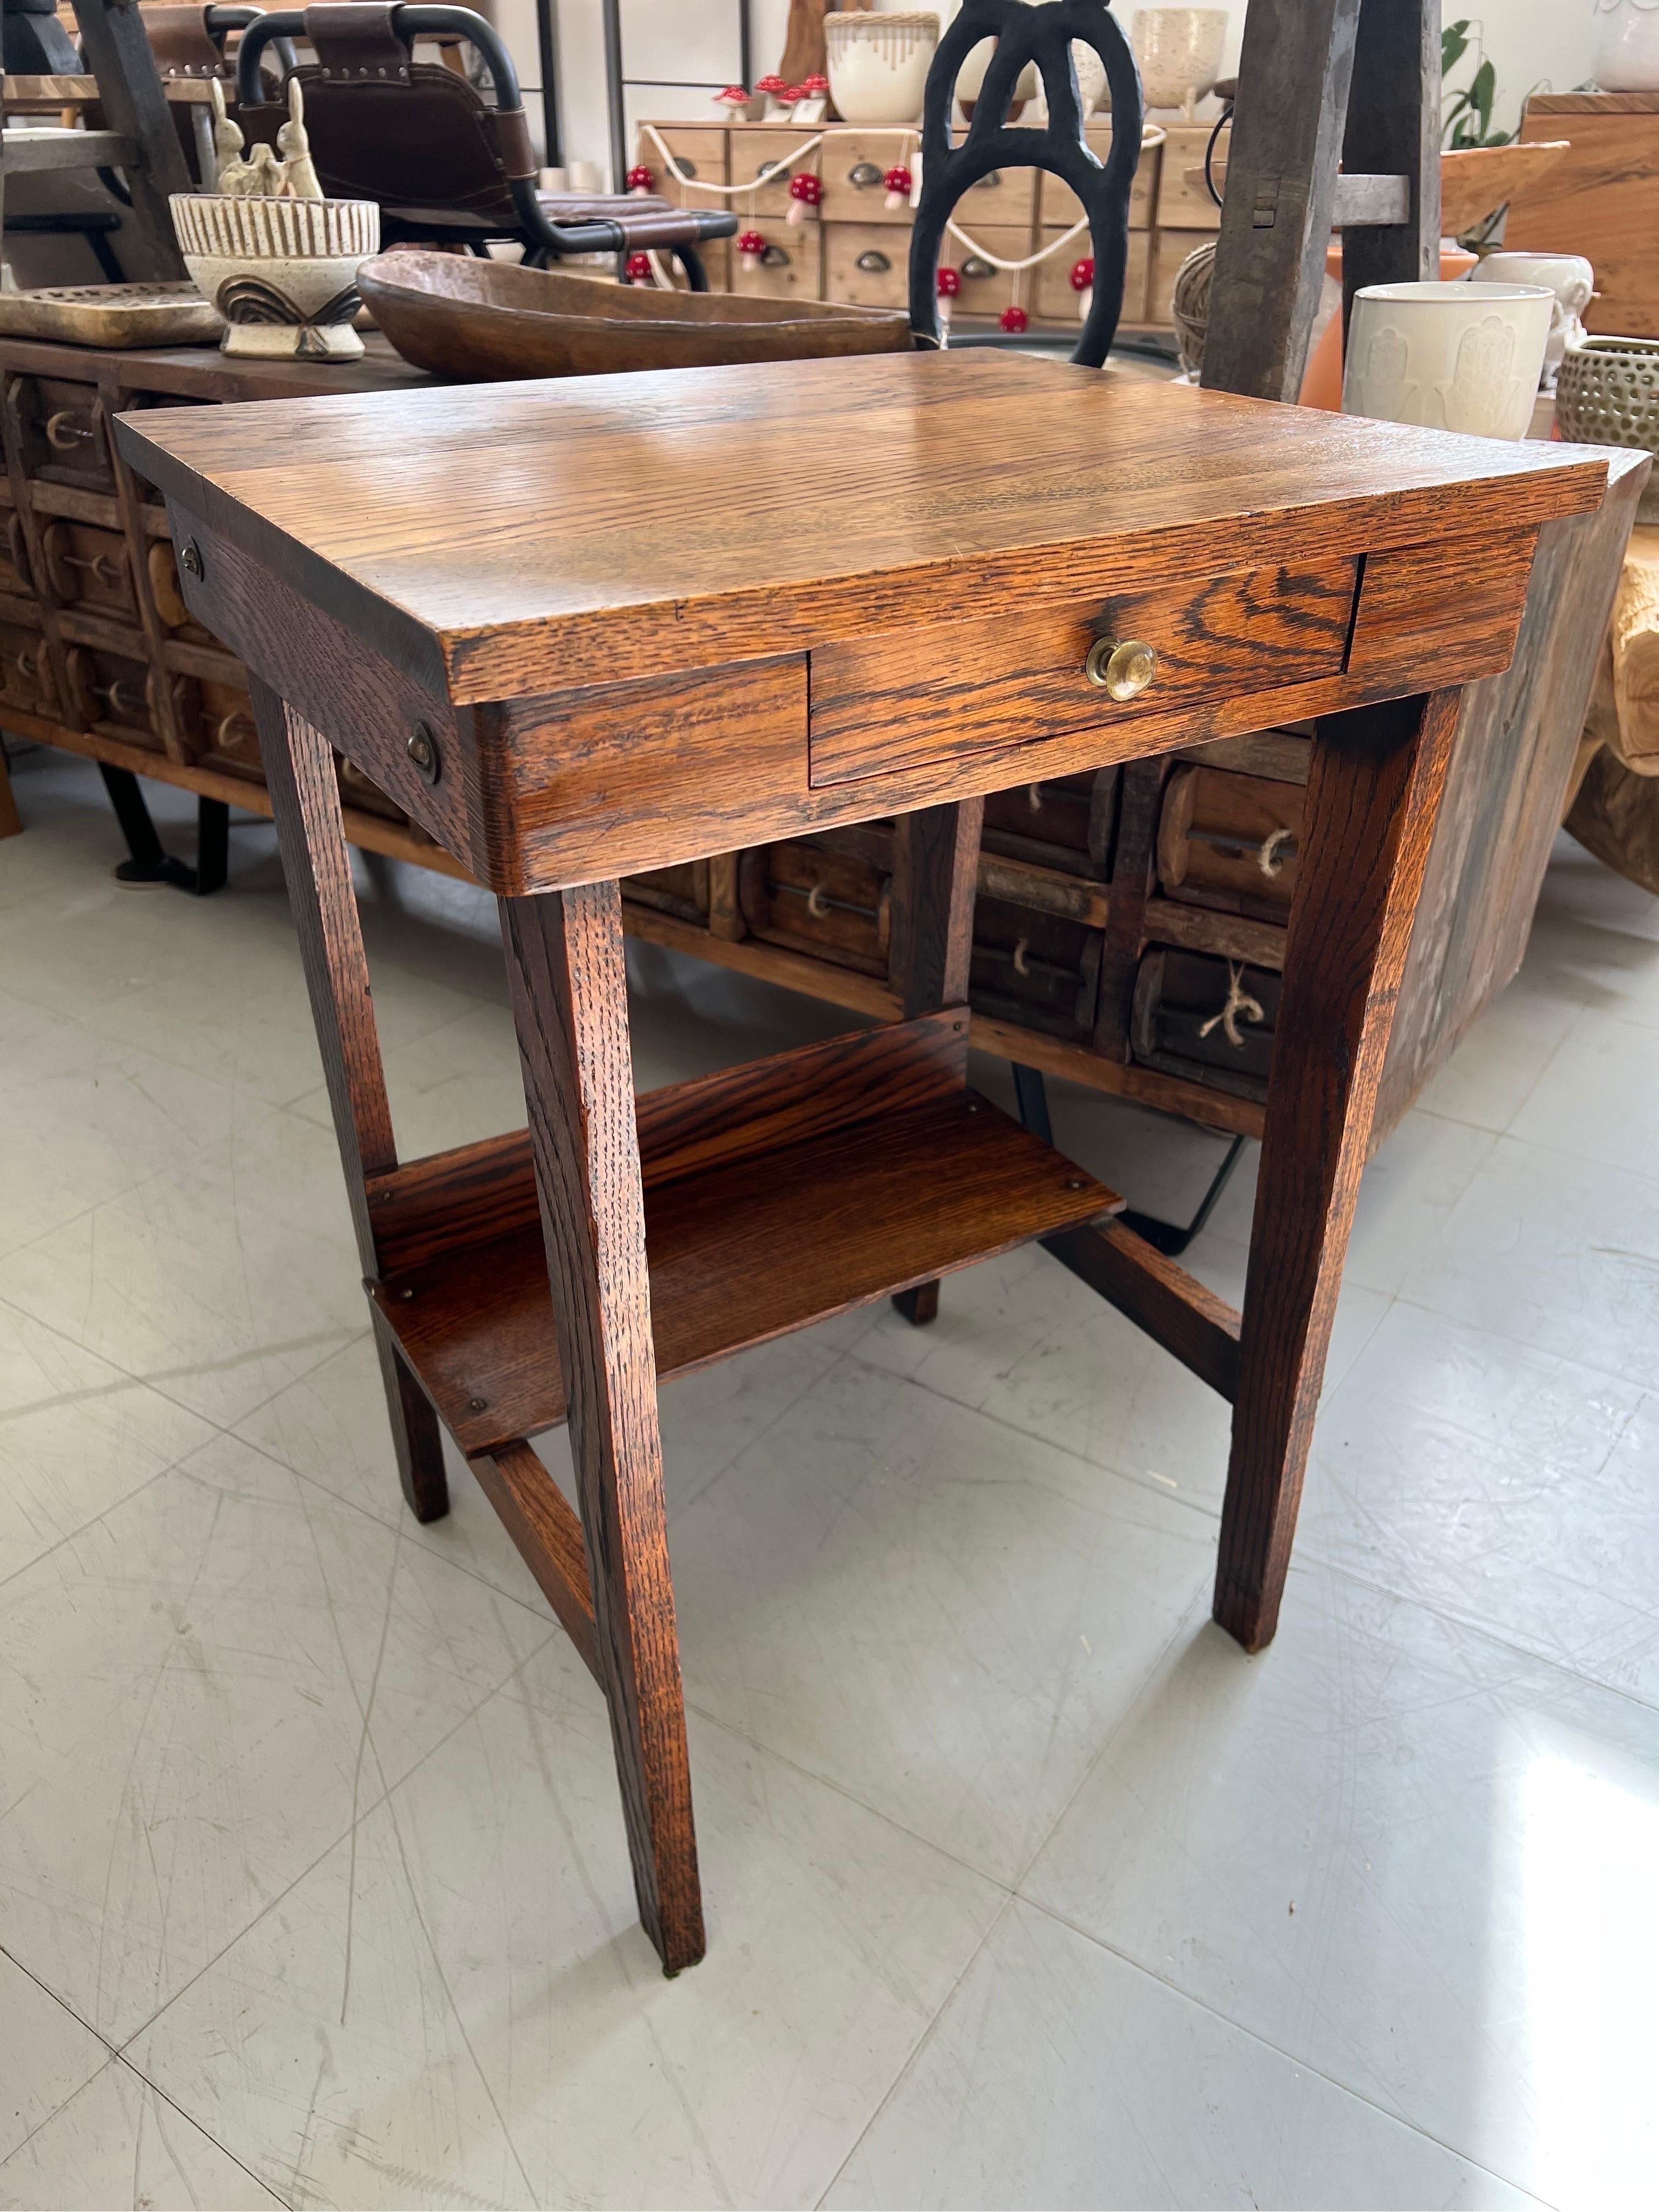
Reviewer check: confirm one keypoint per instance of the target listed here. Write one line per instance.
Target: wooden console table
(556, 625)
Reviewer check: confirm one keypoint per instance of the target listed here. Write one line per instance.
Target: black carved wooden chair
(1043, 35)
(447, 166)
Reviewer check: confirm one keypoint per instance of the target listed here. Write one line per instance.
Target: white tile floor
(1024, 1885)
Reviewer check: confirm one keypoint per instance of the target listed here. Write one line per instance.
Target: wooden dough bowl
(483, 320)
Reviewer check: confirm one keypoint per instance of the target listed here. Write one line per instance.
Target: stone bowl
(281, 272)
(1608, 394)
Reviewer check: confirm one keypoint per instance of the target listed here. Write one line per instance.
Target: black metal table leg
(151, 863)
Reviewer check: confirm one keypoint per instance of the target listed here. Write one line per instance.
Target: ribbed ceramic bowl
(281, 272)
(1608, 394)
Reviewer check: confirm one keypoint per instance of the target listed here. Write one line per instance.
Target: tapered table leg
(1373, 794)
(564, 958)
(305, 803)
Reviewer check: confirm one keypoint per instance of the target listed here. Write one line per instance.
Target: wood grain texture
(1506, 792)
(305, 801)
(1601, 199)
(1394, 128)
(1190, 1322)
(549, 1535)
(538, 536)
(910, 697)
(569, 989)
(1373, 796)
(1453, 616)
(1294, 71)
(478, 1193)
(742, 1254)
(935, 876)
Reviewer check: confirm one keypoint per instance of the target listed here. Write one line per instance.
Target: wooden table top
(500, 540)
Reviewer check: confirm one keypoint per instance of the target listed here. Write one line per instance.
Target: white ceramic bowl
(1452, 356)
(879, 66)
(281, 272)
(1625, 55)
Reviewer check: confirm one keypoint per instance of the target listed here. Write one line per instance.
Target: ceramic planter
(1625, 55)
(281, 272)
(1460, 356)
(1609, 395)
(879, 66)
(1568, 275)
(1179, 51)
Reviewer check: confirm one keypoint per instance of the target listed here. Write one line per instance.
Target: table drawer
(920, 698)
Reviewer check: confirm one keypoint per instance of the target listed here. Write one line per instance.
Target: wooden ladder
(1320, 81)
(140, 140)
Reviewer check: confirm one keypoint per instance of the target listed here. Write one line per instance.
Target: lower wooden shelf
(753, 1250)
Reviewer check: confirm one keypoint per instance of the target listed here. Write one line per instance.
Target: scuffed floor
(1024, 1885)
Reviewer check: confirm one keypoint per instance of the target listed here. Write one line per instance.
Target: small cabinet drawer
(1206, 1018)
(1007, 196)
(867, 264)
(697, 152)
(759, 159)
(827, 895)
(1065, 823)
(221, 728)
(790, 268)
(1230, 840)
(25, 671)
(61, 430)
(681, 890)
(1059, 206)
(1054, 301)
(987, 289)
(926, 697)
(89, 567)
(1038, 970)
(1183, 198)
(855, 167)
(112, 693)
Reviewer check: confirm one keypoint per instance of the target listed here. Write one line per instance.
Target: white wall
(1542, 45)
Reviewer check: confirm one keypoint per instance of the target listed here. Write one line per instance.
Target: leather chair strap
(180, 42)
(354, 42)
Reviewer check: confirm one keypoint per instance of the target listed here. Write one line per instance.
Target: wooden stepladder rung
(1321, 82)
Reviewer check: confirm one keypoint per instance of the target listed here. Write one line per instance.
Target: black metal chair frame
(1042, 35)
(541, 236)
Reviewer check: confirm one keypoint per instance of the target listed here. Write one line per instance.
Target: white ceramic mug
(1572, 279)
(1452, 356)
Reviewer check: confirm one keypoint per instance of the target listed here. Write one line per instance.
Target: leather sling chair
(191, 45)
(446, 166)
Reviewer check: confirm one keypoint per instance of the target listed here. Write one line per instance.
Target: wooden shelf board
(739, 1255)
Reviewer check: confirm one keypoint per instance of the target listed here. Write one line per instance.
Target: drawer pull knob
(1122, 670)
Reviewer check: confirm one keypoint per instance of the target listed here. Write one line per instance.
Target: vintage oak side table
(582, 627)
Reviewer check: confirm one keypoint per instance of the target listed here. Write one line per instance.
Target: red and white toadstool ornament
(773, 86)
(1083, 283)
(735, 101)
(805, 191)
(814, 86)
(949, 286)
(751, 251)
(642, 180)
(639, 270)
(898, 181)
(1015, 319)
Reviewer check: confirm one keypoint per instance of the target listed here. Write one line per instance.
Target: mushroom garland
(642, 181)
(1015, 320)
(805, 191)
(1083, 283)
(949, 286)
(899, 183)
(751, 251)
(639, 270)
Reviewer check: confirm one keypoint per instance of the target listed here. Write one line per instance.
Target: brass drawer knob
(1123, 669)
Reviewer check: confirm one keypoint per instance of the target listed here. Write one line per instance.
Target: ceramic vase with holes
(1457, 356)
(1179, 51)
(1609, 395)
(1625, 55)
(1568, 275)
(879, 66)
(281, 272)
